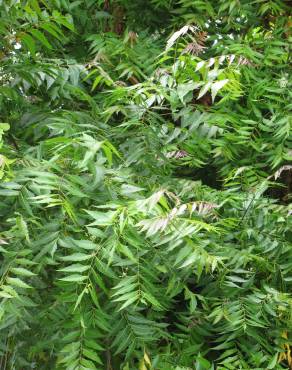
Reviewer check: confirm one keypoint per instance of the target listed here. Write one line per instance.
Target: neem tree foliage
(145, 185)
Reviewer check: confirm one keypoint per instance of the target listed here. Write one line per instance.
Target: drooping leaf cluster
(146, 177)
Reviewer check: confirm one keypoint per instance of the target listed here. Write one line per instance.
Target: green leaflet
(75, 268)
(22, 271)
(73, 278)
(18, 283)
(76, 257)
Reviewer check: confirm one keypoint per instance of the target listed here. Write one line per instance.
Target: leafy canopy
(145, 215)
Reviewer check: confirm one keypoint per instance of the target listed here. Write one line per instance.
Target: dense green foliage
(145, 215)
